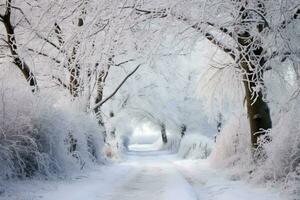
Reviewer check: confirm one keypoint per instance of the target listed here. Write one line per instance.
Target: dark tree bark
(219, 122)
(113, 131)
(251, 61)
(258, 110)
(12, 43)
(99, 95)
(183, 130)
(163, 133)
(74, 67)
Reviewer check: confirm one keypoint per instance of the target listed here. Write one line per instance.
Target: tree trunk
(17, 60)
(74, 67)
(219, 122)
(74, 85)
(163, 133)
(257, 108)
(113, 130)
(99, 96)
(252, 61)
(183, 130)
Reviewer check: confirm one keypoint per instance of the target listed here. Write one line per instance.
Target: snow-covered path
(154, 177)
(145, 174)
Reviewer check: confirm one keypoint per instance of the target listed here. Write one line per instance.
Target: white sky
(145, 133)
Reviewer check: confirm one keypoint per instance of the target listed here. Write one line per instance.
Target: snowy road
(154, 177)
(145, 174)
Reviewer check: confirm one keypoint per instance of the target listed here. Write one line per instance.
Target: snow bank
(195, 146)
(233, 147)
(191, 146)
(39, 136)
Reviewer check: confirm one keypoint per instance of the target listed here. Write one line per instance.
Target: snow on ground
(145, 174)
(212, 184)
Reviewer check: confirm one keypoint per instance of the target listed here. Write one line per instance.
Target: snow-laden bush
(41, 137)
(233, 147)
(69, 136)
(173, 143)
(283, 152)
(195, 146)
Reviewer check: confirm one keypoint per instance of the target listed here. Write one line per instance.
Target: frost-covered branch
(45, 55)
(295, 16)
(12, 42)
(116, 90)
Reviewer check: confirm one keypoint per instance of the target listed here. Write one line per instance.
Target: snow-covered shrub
(40, 136)
(68, 136)
(173, 143)
(283, 152)
(18, 148)
(233, 147)
(195, 146)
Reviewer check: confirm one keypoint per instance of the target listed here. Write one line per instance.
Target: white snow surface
(145, 173)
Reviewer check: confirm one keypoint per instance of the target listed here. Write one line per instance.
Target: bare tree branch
(124, 62)
(162, 13)
(48, 41)
(292, 18)
(21, 11)
(266, 23)
(99, 30)
(44, 54)
(58, 32)
(116, 90)
(60, 82)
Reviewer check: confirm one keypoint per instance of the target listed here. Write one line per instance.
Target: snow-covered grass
(232, 145)
(40, 136)
(195, 146)
(190, 146)
(173, 143)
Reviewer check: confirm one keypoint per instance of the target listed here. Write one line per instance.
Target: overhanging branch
(162, 13)
(117, 89)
